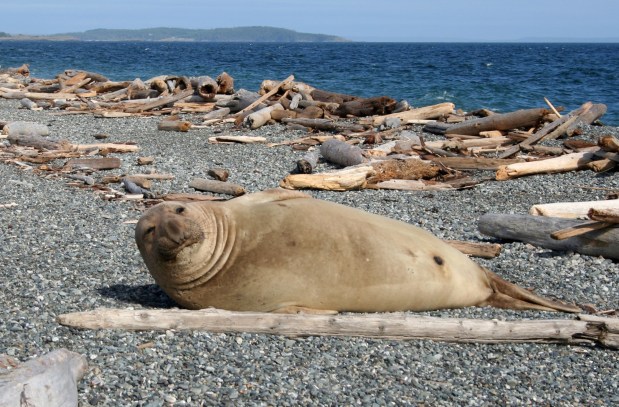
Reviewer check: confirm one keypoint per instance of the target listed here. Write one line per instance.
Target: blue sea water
(497, 76)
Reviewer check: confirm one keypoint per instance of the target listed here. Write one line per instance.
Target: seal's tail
(509, 295)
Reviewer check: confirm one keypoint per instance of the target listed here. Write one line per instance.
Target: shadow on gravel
(149, 295)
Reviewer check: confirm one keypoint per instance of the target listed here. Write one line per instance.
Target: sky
(357, 20)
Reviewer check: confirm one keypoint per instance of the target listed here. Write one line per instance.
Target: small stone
(146, 160)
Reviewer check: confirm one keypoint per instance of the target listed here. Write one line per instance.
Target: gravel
(65, 249)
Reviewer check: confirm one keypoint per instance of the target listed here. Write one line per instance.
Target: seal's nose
(173, 230)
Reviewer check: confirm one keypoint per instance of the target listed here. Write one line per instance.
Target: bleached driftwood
(174, 125)
(586, 330)
(609, 143)
(307, 163)
(259, 118)
(505, 121)
(484, 250)
(49, 380)
(110, 147)
(610, 215)
(573, 210)
(237, 139)
(537, 231)
(412, 185)
(21, 128)
(474, 163)
(268, 94)
(564, 163)
(218, 187)
(342, 180)
(422, 113)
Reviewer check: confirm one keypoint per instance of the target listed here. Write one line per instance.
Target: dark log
(341, 153)
(536, 230)
(307, 163)
(139, 90)
(380, 105)
(218, 187)
(505, 121)
(436, 128)
(133, 188)
(239, 101)
(87, 74)
(331, 97)
(163, 101)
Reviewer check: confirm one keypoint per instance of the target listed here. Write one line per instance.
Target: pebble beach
(64, 249)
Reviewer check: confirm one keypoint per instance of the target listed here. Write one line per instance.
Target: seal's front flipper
(270, 195)
(509, 295)
(293, 309)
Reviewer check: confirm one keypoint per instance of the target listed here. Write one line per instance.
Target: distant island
(237, 34)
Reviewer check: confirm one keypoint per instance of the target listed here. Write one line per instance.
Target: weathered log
(307, 163)
(536, 230)
(461, 145)
(218, 187)
(268, 94)
(407, 169)
(259, 118)
(109, 147)
(12, 94)
(220, 174)
(326, 96)
(564, 163)
(609, 215)
(237, 139)
(217, 114)
(104, 163)
(239, 101)
(591, 115)
(572, 210)
(436, 127)
(341, 153)
(379, 105)
(29, 104)
(421, 113)
(505, 121)
(39, 142)
(278, 115)
(139, 90)
(19, 128)
(474, 163)
(602, 165)
(86, 179)
(133, 188)
(609, 143)
(225, 83)
(342, 180)
(483, 250)
(49, 380)
(589, 330)
(159, 102)
(205, 86)
(174, 125)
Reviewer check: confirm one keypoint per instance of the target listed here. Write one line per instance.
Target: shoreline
(65, 249)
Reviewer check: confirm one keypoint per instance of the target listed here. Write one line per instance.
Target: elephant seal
(283, 251)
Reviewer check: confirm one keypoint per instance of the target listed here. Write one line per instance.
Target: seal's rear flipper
(509, 295)
(270, 195)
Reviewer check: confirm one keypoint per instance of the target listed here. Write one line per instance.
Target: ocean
(498, 76)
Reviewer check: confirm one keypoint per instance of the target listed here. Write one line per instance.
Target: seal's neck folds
(210, 255)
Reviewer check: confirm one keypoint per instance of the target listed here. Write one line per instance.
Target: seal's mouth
(175, 235)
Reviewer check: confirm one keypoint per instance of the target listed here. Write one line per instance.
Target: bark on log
(174, 125)
(343, 180)
(49, 380)
(536, 230)
(218, 187)
(421, 113)
(19, 128)
(564, 163)
(259, 118)
(505, 121)
(341, 153)
(589, 330)
(572, 210)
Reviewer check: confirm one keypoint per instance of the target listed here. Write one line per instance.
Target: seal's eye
(180, 210)
(149, 231)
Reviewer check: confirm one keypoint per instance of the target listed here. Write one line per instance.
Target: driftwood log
(572, 210)
(218, 187)
(505, 121)
(307, 163)
(564, 163)
(537, 231)
(341, 153)
(49, 380)
(346, 179)
(586, 330)
(421, 113)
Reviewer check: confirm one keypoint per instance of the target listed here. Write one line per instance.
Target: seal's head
(171, 238)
